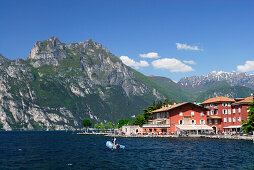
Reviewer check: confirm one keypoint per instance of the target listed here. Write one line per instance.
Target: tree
(110, 125)
(156, 105)
(248, 125)
(102, 127)
(123, 122)
(86, 123)
(96, 126)
(140, 120)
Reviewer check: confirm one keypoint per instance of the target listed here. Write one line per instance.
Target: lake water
(64, 150)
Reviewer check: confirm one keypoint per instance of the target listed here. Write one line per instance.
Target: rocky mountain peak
(3, 59)
(92, 44)
(47, 52)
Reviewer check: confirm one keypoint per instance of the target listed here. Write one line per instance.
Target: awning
(232, 127)
(213, 117)
(194, 127)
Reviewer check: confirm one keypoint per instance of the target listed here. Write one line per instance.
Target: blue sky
(215, 35)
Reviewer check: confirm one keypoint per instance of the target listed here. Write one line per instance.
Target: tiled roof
(218, 99)
(238, 99)
(169, 107)
(247, 100)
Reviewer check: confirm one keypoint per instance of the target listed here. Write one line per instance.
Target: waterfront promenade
(234, 137)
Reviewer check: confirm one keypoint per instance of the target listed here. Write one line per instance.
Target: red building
(183, 117)
(226, 114)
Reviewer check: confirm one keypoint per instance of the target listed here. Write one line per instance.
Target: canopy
(231, 127)
(194, 127)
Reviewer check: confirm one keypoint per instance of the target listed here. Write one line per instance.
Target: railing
(156, 125)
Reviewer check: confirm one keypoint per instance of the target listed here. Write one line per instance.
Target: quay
(235, 137)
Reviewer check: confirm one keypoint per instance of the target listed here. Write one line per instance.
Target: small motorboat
(110, 145)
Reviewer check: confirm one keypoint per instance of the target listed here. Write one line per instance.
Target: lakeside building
(226, 114)
(177, 118)
(130, 130)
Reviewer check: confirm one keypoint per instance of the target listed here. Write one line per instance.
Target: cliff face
(60, 84)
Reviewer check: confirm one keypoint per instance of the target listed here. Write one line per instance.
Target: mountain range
(60, 84)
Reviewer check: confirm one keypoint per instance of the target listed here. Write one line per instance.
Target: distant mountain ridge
(233, 78)
(215, 84)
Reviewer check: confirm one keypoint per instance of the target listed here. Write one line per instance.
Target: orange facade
(225, 115)
(166, 119)
(222, 114)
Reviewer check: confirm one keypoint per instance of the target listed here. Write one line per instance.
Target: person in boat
(114, 141)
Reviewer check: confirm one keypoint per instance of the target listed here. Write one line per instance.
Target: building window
(181, 113)
(215, 121)
(158, 115)
(192, 113)
(209, 121)
(167, 121)
(208, 113)
(202, 114)
(229, 105)
(234, 119)
(181, 122)
(239, 119)
(229, 119)
(202, 122)
(211, 105)
(216, 112)
(224, 111)
(239, 110)
(193, 122)
(167, 114)
(225, 119)
(229, 111)
(212, 112)
(163, 114)
(234, 110)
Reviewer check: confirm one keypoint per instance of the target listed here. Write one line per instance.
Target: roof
(246, 100)
(214, 117)
(194, 127)
(170, 107)
(238, 99)
(218, 99)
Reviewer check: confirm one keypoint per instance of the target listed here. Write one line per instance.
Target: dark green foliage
(147, 114)
(123, 122)
(86, 123)
(96, 126)
(171, 89)
(109, 125)
(140, 120)
(234, 91)
(248, 125)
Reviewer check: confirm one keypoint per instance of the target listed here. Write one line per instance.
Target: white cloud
(130, 62)
(150, 55)
(172, 64)
(248, 66)
(189, 62)
(180, 46)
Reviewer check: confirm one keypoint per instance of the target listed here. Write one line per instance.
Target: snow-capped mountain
(233, 78)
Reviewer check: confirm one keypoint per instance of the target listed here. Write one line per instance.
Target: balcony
(156, 125)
